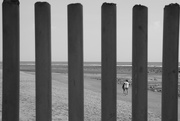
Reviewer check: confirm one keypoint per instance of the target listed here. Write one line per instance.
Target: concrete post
(108, 62)
(10, 103)
(170, 63)
(75, 62)
(43, 61)
(139, 63)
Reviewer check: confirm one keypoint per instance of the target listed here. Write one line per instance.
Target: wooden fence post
(170, 63)
(10, 106)
(75, 62)
(108, 62)
(139, 64)
(43, 61)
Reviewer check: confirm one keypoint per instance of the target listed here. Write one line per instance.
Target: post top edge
(172, 5)
(11, 1)
(41, 3)
(105, 3)
(139, 6)
(75, 4)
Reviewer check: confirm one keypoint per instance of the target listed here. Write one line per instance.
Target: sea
(150, 64)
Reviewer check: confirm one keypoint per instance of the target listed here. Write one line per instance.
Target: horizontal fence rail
(10, 101)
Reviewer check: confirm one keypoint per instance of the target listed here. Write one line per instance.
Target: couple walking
(125, 87)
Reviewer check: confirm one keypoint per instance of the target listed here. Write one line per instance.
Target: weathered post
(75, 62)
(108, 83)
(139, 64)
(170, 63)
(10, 16)
(43, 61)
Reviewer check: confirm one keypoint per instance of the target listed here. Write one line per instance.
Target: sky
(92, 29)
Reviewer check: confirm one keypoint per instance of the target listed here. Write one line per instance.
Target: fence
(10, 107)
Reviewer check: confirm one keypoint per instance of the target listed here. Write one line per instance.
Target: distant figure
(125, 87)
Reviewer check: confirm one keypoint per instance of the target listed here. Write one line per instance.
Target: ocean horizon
(150, 64)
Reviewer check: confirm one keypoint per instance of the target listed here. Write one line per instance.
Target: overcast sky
(92, 28)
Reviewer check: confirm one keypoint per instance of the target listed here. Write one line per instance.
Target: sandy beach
(92, 93)
(92, 99)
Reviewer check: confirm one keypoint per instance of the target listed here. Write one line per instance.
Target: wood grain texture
(108, 72)
(170, 63)
(139, 64)
(10, 106)
(43, 61)
(75, 62)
